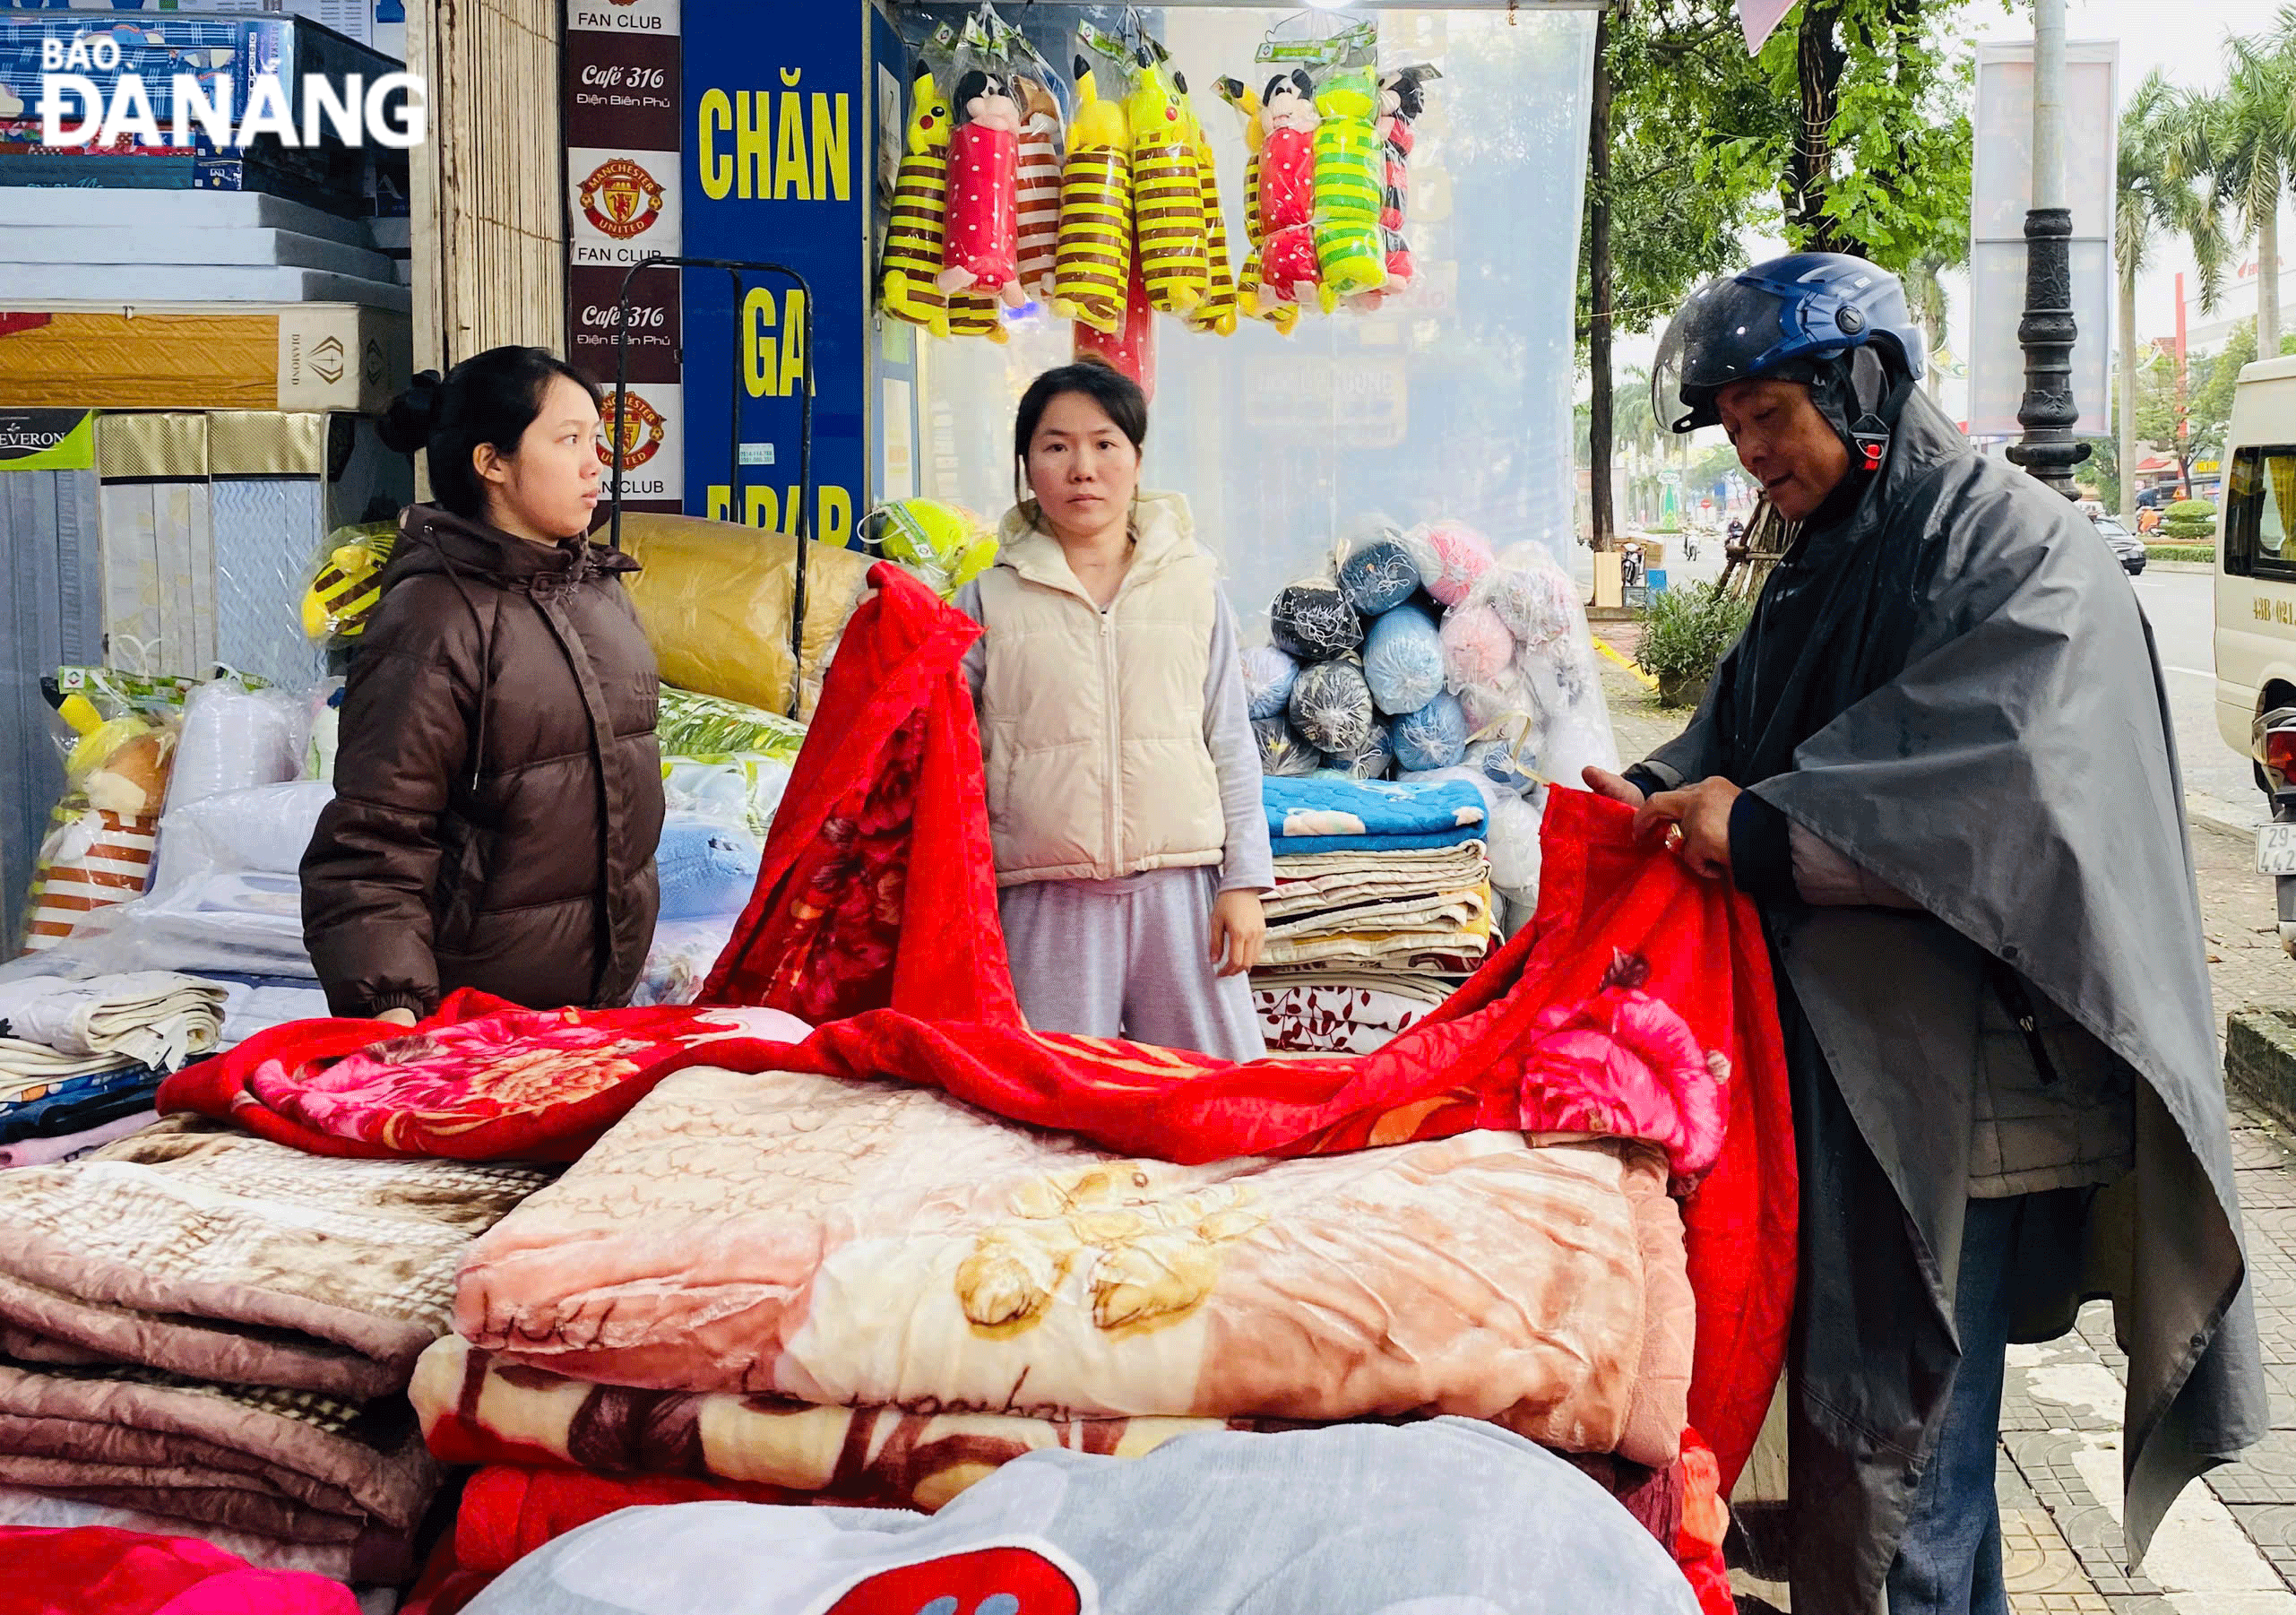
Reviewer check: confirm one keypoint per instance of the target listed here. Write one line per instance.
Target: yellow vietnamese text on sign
(770, 367)
(775, 510)
(762, 146)
(2268, 611)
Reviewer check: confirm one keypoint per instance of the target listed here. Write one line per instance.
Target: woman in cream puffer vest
(1123, 787)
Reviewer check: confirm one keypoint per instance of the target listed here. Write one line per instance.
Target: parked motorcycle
(2275, 753)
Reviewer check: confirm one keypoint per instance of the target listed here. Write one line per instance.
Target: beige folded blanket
(873, 1245)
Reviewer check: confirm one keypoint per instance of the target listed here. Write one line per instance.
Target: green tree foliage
(1679, 71)
(1867, 142)
(2242, 141)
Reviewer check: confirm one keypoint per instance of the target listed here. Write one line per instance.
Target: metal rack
(802, 528)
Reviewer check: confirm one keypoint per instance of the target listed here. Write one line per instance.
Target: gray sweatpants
(1129, 958)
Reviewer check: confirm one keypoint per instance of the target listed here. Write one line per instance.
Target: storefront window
(1451, 401)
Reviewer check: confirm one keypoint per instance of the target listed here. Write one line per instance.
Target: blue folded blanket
(1303, 846)
(77, 1103)
(1327, 805)
(706, 868)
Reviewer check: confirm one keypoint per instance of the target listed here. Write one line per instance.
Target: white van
(2256, 553)
(2256, 605)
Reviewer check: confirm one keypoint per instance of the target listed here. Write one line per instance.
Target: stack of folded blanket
(80, 1061)
(215, 1331)
(1382, 906)
(794, 1287)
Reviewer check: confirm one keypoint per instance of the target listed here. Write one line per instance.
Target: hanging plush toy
(1287, 188)
(976, 314)
(1283, 316)
(1217, 313)
(983, 250)
(1402, 96)
(1133, 349)
(1094, 264)
(909, 279)
(1167, 203)
(1040, 188)
(1350, 175)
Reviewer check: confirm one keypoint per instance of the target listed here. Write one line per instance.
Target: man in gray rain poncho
(1941, 761)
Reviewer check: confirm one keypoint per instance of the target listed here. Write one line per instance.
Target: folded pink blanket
(46, 1152)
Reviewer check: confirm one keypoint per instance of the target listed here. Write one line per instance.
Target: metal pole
(2047, 333)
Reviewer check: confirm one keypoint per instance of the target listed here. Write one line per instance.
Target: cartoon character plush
(982, 252)
(976, 314)
(909, 276)
(1167, 202)
(1351, 188)
(1289, 265)
(1217, 313)
(1282, 315)
(1040, 189)
(1132, 347)
(349, 584)
(1402, 96)
(1094, 263)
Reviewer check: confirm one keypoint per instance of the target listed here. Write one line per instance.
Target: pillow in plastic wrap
(1434, 736)
(1451, 557)
(1372, 761)
(1268, 678)
(1282, 752)
(1331, 707)
(1477, 648)
(706, 867)
(236, 739)
(1378, 575)
(1506, 762)
(1312, 620)
(1508, 699)
(1533, 596)
(1403, 660)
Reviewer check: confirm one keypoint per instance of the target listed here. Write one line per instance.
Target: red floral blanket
(1639, 1003)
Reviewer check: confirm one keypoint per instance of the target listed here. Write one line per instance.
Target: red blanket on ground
(1639, 1003)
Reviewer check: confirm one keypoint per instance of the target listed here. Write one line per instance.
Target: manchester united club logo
(642, 431)
(621, 199)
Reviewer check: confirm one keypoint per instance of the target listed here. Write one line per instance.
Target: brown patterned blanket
(204, 1326)
(194, 1247)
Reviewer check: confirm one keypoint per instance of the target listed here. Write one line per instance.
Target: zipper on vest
(1109, 722)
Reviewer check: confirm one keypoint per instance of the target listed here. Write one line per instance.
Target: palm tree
(2246, 145)
(2158, 195)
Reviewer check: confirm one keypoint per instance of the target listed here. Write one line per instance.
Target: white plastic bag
(236, 739)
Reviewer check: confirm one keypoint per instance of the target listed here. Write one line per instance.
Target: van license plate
(2277, 849)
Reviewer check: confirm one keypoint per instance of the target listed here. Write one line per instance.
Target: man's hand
(1238, 932)
(1696, 822)
(397, 1017)
(1617, 788)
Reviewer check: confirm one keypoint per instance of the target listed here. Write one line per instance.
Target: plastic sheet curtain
(51, 614)
(1453, 401)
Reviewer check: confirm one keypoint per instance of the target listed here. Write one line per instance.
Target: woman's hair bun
(406, 426)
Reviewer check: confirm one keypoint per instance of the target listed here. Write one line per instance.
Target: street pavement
(2229, 1547)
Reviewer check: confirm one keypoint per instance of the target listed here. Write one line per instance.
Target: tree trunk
(2125, 416)
(2268, 283)
(1598, 289)
(1819, 66)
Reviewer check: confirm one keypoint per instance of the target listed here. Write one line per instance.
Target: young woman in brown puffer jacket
(498, 790)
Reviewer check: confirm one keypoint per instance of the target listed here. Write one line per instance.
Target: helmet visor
(1722, 335)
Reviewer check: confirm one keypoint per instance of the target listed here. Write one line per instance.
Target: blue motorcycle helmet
(1836, 324)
